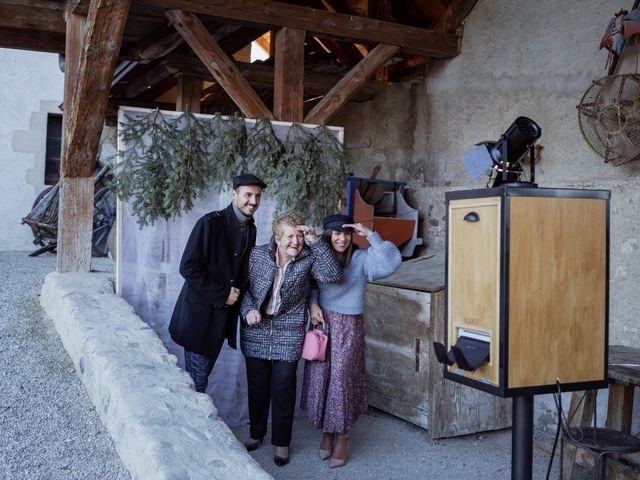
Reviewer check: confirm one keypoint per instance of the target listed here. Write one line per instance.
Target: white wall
(32, 87)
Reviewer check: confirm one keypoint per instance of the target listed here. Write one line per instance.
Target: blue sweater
(380, 260)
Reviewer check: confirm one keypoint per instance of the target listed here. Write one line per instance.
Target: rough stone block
(161, 427)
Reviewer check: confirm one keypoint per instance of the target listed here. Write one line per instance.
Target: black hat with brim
(336, 222)
(247, 179)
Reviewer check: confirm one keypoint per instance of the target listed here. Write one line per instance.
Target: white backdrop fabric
(147, 277)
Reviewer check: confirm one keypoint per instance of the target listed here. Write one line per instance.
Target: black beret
(336, 221)
(247, 179)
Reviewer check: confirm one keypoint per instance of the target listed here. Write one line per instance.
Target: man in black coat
(215, 266)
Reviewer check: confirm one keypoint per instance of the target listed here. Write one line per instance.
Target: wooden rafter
(432, 9)
(454, 15)
(350, 83)
(262, 75)
(32, 40)
(159, 44)
(219, 64)
(48, 17)
(318, 22)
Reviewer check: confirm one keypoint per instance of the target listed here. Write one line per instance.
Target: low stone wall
(161, 427)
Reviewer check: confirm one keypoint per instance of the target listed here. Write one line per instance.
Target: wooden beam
(288, 85)
(144, 82)
(262, 75)
(454, 15)
(432, 9)
(188, 94)
(45, 16)
(321, 23)
(159, 44)
(345, 88)
(32, 40)
(75, 224)
(75, 201)
(102, 39)
(217, 62)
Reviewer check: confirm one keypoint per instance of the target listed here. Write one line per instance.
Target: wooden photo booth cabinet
(527, 284)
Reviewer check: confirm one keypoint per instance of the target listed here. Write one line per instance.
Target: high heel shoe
(326, 446)
(279, 460)
(252, 444)
(340, 451)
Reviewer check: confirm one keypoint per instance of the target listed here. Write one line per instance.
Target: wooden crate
(404, 314)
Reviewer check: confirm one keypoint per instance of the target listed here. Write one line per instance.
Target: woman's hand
(359, 229)
(253, 317)
(316, 314)
(308, 232)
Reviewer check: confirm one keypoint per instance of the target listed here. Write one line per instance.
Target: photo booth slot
(526, 291)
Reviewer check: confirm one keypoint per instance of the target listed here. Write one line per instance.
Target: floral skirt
(334, 392)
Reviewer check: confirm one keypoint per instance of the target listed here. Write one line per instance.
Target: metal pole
(532, 165)
(522, 438)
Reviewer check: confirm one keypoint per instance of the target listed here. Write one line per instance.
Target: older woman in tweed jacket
(275, 310)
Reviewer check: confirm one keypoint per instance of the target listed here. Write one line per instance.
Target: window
(54, 147)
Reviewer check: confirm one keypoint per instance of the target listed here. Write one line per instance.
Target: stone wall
(161, 428)
(518, 58)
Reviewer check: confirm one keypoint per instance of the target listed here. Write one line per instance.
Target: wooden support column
(350, 83)
(189, 91)
(88, 76)
(288, 86)
(221, 67)
(75, 198)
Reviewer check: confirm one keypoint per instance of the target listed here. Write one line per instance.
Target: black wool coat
(211, 264)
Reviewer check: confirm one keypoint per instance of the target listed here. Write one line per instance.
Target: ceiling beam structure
(350, 83)
(288, 83)
(219, 64)
(454, 15)
(321, 23)
(262, 75)
(93, 46)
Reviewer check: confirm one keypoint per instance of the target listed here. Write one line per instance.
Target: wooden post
(75, 200)
(93, 47)
(188, 97)
(288, 86)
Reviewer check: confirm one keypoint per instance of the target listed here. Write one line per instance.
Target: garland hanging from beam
(168, 162)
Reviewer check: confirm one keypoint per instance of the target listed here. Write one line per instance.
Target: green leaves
(167, 162)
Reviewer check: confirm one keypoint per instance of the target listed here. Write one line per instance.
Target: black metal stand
(522, 438)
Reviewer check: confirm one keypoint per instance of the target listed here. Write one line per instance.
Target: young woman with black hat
(334, 392)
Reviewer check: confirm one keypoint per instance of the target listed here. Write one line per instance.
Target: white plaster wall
(518, 58)
(32, 87)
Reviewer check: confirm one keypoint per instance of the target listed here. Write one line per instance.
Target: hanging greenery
(169, 162)
(263, 151)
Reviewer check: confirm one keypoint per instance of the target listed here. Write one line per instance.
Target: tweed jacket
(280, 337)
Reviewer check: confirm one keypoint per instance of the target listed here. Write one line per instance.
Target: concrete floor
(383, 447)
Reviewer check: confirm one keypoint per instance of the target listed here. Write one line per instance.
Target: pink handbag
(314, 346)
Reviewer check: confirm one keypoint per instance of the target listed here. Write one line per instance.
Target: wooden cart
(404, 314)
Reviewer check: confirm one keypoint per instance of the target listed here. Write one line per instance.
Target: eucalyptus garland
(168, 162)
